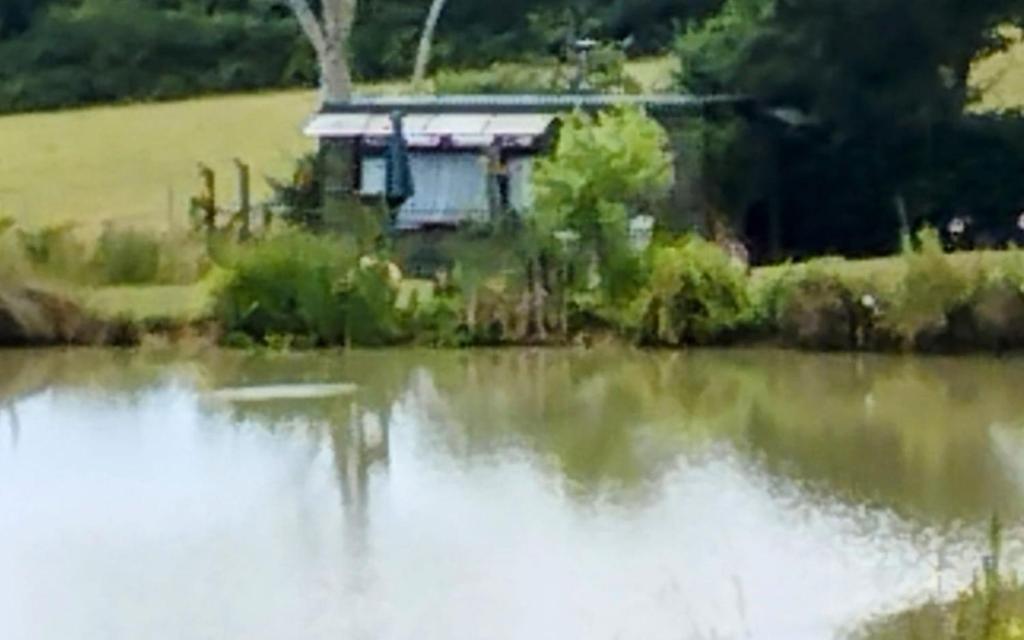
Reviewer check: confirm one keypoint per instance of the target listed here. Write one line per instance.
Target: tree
(426, 41)
(604, 170)
(329, 34)
(886, 83)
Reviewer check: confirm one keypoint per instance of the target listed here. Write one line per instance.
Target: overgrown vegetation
(875, 132)
(296, 288)
(991, 608)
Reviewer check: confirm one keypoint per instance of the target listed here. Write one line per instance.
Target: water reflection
(498, 494)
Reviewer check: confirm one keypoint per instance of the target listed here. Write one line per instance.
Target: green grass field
(1001, 77)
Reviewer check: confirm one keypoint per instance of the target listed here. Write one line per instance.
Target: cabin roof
(456, 130)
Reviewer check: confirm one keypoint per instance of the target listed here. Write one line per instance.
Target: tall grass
(298, 288)
(990, 608)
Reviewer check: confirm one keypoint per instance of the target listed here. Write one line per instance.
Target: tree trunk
(426, 42)
(329, 34)
(335, 76)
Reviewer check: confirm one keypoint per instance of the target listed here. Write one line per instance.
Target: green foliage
(604, 170)
(695, 295)
(59, 53)
(311, 288)
(299, 197)
(869, 118)
(127, 257)
(438, 322)
(116, 50)
(606, 73)
(991, 608)
(711, 51)
(502, 78)
(931, 289)
(286, 285)
(816, 308)
(54, 251)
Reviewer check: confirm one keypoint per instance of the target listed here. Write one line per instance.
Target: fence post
(244, 202)
(207, 201)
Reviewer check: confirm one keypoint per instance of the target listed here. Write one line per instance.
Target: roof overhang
(454, 130)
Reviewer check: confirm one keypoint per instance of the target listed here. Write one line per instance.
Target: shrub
(309, 287)
(126, 257)
(932, 288)
(817, 312)
(285, 285)
(997, 305)
(695, 295)
(54, 251)
(825, 304)
(603, 170)
(500, 78)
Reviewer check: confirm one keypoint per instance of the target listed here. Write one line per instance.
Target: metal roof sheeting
(460, 130)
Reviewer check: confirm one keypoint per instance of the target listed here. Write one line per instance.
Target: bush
(54, 251)
(817, 312)
(501, 78)
(126, 257)
(311, 288)
(695, 295)
(931, 290)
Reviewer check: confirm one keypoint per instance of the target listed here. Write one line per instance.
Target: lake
(495, 494)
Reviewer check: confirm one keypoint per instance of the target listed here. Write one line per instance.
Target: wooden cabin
(470, 156)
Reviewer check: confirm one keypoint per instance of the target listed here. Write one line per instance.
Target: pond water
(513, 494)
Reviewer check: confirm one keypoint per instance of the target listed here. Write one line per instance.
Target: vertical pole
(208, 197)
(170, 208)
(244, 206)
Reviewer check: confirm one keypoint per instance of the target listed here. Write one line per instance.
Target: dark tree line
(887, 139)
(59, 53)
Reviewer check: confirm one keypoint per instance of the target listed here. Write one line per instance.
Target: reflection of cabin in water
(470, 156)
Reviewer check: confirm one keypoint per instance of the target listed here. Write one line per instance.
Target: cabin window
(449, 188)
(373, 171)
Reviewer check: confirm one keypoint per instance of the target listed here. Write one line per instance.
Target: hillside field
(137, 164)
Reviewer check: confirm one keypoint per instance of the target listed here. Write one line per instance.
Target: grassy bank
(291, 288)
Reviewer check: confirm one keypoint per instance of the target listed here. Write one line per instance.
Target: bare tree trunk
(329, 34)
(426, 42)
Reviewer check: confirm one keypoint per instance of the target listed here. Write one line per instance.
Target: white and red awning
(457, 130)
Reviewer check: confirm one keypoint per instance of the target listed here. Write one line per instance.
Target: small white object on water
(282, 392)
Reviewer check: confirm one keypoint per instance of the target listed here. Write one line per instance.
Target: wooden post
(208, 197)
(244, 205)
